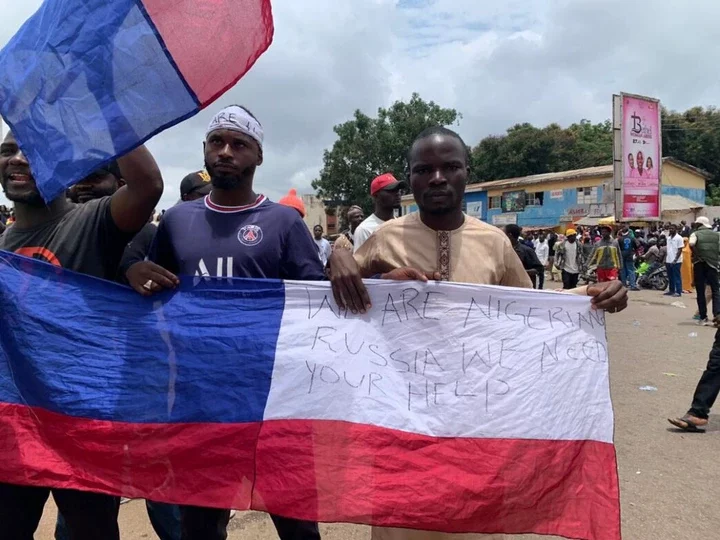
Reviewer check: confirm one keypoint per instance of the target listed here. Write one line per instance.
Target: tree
(712, 198)
(526, 150)
(694, 137)
(367, 147)
(593, 144)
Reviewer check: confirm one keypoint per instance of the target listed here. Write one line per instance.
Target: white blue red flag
(447, 407)
(84, 81)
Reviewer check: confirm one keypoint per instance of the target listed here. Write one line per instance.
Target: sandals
(689, 423)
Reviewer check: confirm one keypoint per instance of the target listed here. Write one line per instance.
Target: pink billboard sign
(642, 147)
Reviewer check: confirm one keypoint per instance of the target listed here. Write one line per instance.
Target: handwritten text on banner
(447, 360)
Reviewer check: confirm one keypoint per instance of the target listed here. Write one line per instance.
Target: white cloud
(498, 62)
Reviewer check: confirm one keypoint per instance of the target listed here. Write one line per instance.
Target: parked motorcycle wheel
(660, 283)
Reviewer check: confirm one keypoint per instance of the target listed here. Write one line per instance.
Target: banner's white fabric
(446, 360)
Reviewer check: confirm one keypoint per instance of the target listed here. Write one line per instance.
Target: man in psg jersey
(235, 232)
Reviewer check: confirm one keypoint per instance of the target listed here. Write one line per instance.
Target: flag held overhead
(84, 81)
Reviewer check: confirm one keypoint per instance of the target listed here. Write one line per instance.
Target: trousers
(164, 518)
(708, 387)
(674, 278)
(705, 274)
(570, 281)
(627, 274)
(89, 516)
(211, 524)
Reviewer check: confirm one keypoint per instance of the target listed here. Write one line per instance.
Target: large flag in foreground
(84, 81)
(447, 407)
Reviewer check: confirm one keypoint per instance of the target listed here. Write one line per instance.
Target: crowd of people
(606, 252)
(223, 228)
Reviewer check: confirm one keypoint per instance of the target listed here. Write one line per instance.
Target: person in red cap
(385, 191)
(293, 201)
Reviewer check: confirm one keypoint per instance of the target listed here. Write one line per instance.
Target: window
(534, 199)
(587, 195)
(495, 202)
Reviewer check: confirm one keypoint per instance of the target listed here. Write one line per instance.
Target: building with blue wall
(556, 200)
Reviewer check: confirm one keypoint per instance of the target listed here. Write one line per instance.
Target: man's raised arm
(133, 203)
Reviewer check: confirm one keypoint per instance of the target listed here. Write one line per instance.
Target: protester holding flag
(440, 242)
(165, 518)
(135, 269)
(235, 232)
(89, 239)
(80, 84)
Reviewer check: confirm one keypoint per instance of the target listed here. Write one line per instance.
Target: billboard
(638, 158)
(513, 201)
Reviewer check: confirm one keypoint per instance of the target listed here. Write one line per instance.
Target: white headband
(238, 119)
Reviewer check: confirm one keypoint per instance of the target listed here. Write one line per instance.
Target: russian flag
(84, 81)
(448, 407)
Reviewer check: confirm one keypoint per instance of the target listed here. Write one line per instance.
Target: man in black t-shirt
(105, 182)
(90, 239)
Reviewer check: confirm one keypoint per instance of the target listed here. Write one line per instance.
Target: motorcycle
(642, 268)
(654, 278)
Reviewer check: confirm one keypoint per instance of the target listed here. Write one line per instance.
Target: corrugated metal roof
(590, 172)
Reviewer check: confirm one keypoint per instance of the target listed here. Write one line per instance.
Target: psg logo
(250, 235)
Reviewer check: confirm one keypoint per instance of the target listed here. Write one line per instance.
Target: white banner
(446, 360)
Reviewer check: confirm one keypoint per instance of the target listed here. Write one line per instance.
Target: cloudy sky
(498, 62)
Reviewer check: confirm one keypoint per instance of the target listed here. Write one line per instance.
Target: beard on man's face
(225, 180)
(31, 199)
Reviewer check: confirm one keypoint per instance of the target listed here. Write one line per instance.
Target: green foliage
(367, 147)
(526, 150)
(694, 137)
(712, 198)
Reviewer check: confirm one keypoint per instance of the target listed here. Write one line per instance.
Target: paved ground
(670, 482)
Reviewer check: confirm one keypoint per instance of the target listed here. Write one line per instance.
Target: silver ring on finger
(148, 285)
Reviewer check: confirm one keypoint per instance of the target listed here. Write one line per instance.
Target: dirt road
(670, 482)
